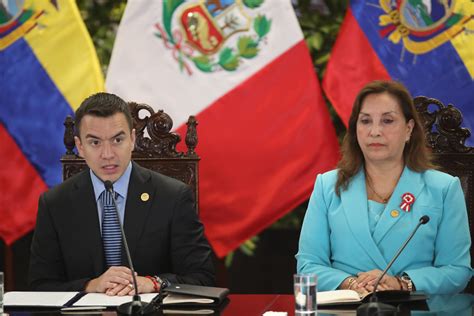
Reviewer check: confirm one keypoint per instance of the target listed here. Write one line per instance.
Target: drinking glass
(1, 292)
(305, 286)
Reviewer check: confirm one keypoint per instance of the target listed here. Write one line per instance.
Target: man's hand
(368, 279)
(145, 285)
(114, 276)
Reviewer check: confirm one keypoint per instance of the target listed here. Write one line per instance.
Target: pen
(74, 299)
(82, 308)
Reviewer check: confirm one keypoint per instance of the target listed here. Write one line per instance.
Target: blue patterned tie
(111, 237)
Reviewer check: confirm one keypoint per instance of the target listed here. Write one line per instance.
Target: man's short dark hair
(102, 104)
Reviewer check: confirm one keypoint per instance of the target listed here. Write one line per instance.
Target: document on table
(51, 299)
(99, 299)
(67, 299)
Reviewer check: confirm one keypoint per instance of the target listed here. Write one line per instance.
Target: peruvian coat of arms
(201, 33)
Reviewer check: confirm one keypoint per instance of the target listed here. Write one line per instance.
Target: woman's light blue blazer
(336, 242)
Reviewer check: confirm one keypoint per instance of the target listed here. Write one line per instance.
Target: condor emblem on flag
(202, 33)
(428, 45)
(15, 21)
(422, 25)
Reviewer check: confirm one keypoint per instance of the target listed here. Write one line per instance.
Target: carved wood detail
(161, 141)
(72, 167)
(191, 136)
(69, 135)
(443, 126)
(447, 138)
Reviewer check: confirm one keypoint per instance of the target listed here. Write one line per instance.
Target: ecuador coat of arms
(422, 25)
(17, 18)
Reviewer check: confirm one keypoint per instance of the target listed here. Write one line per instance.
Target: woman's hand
(368, 279)
(351, 283)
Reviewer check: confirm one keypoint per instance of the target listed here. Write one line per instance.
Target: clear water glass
(305, 286)
(1, 292)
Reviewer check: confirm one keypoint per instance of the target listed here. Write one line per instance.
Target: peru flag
(243, 68)
(427, 45)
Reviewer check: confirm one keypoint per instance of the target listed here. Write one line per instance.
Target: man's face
(106, 144)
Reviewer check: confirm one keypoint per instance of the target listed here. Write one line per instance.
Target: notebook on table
(185, 294)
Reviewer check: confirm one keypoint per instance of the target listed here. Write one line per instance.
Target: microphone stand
(136, 306)
(374, 307)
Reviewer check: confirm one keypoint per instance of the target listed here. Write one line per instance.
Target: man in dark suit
(72, 249)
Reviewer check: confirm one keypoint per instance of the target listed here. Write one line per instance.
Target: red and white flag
(243, 68)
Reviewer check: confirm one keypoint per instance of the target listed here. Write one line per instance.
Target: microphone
(374, 307)
(136, 306)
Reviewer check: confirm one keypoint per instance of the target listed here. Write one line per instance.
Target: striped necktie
(111, 236)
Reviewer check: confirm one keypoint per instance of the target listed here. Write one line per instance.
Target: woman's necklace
(380, 197)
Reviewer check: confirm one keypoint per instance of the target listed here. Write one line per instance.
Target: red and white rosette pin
(407, 201)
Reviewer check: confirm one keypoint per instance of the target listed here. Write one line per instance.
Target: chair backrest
(155, 147)
(447, 139)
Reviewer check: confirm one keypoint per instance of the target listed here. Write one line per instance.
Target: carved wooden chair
(155, 147)
(447, 139)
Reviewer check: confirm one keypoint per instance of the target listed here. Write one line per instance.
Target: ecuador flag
(47, 66)
(426, 44)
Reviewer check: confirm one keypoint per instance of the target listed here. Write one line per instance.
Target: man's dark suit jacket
(164, 234)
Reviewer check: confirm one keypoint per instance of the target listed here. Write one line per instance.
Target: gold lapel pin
(394, 213)
(145, 197)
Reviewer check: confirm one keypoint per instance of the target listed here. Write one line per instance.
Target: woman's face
(382, 130)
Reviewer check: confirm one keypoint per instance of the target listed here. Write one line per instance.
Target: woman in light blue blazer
(361, 213)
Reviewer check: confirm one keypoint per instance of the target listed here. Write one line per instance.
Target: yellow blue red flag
(47, 66)
(426, 44)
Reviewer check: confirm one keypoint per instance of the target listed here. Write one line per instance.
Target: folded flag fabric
(47, 66)
(243, 68)
(427, 45)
